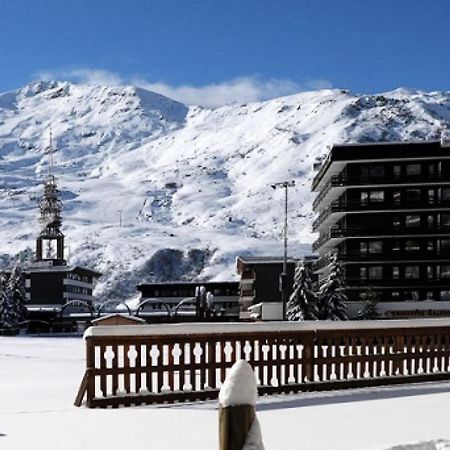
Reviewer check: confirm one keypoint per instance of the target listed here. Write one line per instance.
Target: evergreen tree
(302, 304)
(369, 311)
(332, 300)
(6, 316)
(12, 299)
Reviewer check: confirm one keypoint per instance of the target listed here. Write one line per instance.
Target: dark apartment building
(260, 278)
(384, 210)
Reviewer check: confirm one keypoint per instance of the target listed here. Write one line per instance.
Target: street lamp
(283, 277)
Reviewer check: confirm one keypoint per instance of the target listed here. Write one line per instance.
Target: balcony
(337, 232)
(321, 263)
(342, 180)
(342, 207)
(333, 233)
(397, 284)
(401, 256)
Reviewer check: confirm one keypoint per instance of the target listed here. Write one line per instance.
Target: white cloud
(83, 75)
(241, 89)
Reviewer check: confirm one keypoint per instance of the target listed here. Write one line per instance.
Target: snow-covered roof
(257, 327)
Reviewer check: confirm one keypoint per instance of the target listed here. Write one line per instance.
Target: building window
(376, 171)
(397, 197)
(363, 273)
(396, 246)
(430, 295)
(364, 198)
(397, 171)
(412, 272)
(363, 247)
(412, 296)
(375, 247)
(396, 221)
(375, 272)
(395, 272)
(445, 246)
(431, 196)
(445, 271)
(412, 195)
(430, 246)
(395, 295)
(445, 194)
(412, 246)
(430, 221)
(412, 220)
(413, 169)
(431, 170)
(445, 220)
(445, 295)
(430, 272)
(376, 196)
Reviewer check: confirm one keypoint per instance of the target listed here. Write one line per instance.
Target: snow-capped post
(238, 425)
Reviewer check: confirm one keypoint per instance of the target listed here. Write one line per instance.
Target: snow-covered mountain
(190, 185)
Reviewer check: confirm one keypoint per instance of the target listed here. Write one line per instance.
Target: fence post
(90, 366)
(238, 425)
(308, 357)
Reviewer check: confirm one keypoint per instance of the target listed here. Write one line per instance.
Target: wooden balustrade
(133, 365)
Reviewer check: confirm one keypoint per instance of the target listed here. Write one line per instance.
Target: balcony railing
(344, 180)
(359, 206)
(419, 255)
(397, 283)
(337, 232)
(321, 263)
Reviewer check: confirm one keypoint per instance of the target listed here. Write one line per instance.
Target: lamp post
(283, 277)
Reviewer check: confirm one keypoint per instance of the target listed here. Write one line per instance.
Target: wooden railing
(141, 364)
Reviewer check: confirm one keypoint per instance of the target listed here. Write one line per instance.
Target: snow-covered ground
(39, 378)
(192, 184)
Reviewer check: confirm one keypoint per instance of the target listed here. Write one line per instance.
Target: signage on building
(418, 313)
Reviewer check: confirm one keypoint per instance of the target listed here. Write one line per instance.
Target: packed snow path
(39, 378)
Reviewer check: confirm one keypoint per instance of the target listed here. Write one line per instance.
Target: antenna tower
(50, 242)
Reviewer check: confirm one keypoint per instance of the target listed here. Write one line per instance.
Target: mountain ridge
(183, 178)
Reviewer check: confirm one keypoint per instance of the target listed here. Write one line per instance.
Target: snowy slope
(192, 185)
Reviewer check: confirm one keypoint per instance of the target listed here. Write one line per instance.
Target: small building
(49, 286)
(384, 210)
(178, 298)
(260, 279)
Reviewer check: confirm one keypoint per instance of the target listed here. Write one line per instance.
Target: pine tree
(302, 304)
(332, 300)
(369, 311)
(6, 319)
(12, 299)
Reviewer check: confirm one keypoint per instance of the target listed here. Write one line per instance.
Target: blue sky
(229, 49)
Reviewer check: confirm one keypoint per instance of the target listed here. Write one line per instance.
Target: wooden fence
(142, 364)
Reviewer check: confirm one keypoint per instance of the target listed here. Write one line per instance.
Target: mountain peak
(191, 184)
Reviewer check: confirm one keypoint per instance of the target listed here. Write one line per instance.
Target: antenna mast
(50, 153)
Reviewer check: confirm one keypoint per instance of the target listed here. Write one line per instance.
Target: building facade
(260, 279)
(179, 299)
(384, 210)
